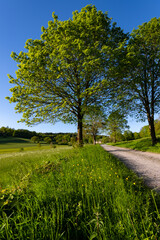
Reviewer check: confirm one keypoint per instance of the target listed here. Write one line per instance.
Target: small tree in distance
(35, 139)
(48, 140)
(128, 135)
(94, 123)
(115, 124)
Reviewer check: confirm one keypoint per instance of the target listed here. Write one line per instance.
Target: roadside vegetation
(142, 144)
(74, 194)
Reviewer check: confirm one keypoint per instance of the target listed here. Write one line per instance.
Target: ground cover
(142, 144)
(76, 194)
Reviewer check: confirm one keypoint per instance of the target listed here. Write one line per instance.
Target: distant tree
(143, 82)
(6, 131)
(73, 140)
(62, 74)
(157, 126)
(136, 135)
(24, 133)
(94, 123)
(66, 138)
(48, 140)
(58, 138)
(105, 139)
(35, 139)
(115, 124)
(128, 135)
(63, 138)
(144, 132)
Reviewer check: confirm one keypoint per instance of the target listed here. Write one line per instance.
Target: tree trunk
(115, 137)
(80, 131)
(94, 139)
(152, 130)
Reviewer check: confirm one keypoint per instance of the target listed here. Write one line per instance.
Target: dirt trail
(145, 164)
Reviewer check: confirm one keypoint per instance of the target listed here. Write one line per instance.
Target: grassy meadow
(142, 144)
(15, 144)
(74, 194)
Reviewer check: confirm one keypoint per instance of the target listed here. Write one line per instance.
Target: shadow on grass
(6, 140)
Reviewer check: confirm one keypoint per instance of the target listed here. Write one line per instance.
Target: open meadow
(15, 144)
(74, 194)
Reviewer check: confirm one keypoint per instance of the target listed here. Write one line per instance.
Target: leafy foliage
(115, 124)
(143, 80)
(61, 75)
(35, 139)
(48, 140)
(94, 123)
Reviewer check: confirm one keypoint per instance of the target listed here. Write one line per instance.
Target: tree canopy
(143, 67)
(61, 75)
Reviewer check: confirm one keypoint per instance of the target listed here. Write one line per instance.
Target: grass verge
(78, 194)
(143, 144)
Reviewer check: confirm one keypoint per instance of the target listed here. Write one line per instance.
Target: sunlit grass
(77, 194)
(15, 165)
(143, 144)
(15, 145)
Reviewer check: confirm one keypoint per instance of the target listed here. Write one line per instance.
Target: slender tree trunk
(94, 139)
(152, 130)
(150, 116)
(80, 130)
(151, 126)
(115, 137)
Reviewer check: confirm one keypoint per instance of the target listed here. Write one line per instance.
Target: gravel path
(145, 164)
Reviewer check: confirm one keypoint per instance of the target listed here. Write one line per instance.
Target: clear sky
(21, 20)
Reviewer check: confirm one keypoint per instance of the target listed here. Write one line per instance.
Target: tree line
(96, 130)
(88, 64)
(55, 138)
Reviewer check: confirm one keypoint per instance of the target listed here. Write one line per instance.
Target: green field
(14, 144)
(142, 144)
(74, 194)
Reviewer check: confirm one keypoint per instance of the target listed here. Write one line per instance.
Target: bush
(52, 146)
(21, 149)
(39, 145)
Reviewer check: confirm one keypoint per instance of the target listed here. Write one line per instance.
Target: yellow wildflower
(3, 191)
(6, 202)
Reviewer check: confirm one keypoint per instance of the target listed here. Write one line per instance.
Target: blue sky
(21, 20)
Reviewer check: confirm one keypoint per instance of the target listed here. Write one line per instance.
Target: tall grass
(14, 166)
(79, 194)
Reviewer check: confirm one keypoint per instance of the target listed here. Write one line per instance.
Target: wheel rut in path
(144, 164)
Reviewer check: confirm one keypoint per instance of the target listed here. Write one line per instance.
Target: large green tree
(143, 80)
(61, 75)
